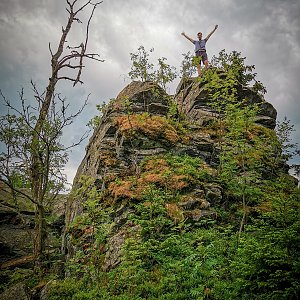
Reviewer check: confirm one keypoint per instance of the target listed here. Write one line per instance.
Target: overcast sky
(266, 32)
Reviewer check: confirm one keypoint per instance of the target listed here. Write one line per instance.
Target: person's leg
(199, 68)
(205, 60)
(197, 61)
(206, 64)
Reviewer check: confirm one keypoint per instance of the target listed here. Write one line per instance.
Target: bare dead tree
(16, 132)
(43, 154)
(64, 59)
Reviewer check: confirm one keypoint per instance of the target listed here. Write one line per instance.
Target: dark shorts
(202, 55)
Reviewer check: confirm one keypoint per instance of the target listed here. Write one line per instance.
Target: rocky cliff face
(192, 98)
(135, 127)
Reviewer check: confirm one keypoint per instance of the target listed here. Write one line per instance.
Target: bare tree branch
(49, 45)
(70, 79)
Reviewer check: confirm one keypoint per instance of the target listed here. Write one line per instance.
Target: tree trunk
(39, 173)
(40, 167)
(40, 235)
(243, 220)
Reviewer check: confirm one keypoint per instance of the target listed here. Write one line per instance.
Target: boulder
(16, 292)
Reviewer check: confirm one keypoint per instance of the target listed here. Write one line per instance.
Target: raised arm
(212, 32)
(187, 37)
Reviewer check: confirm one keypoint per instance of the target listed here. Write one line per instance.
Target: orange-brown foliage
(152, 126)
(155, 171)
(152, 178)
(158, 171)
(177, 182)
(122, 189)
(156, 164)
(174, 212)
(107, 159)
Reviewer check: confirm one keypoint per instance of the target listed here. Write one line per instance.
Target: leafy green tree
(141, 67)
(143, 70)
(32, 137)
(17, 132)
(187, 67)
(242, 157)
(165, 73)
(287, 149)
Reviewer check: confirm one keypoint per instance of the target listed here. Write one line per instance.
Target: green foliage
(173, 109)
(234, 63)
(165, 73)
(221, 88)
(162, 260)
(141, 68)
(242, 157)
(179, 266)
(188, 66)
(17, 131)
(9, 278)
(87, 191)
(95, 121)
(267, 262)
(191, 166)
(286, 148)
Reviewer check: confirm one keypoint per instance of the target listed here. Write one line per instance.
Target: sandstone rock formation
(192, 99)
(112, 153)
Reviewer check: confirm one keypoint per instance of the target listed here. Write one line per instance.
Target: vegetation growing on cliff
(175, 226)
(175, 244)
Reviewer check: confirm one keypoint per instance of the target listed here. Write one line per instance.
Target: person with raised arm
(200, 48)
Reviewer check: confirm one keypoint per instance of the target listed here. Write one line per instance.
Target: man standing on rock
(200, 49)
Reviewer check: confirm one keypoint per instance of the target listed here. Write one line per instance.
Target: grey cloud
(266, 32)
